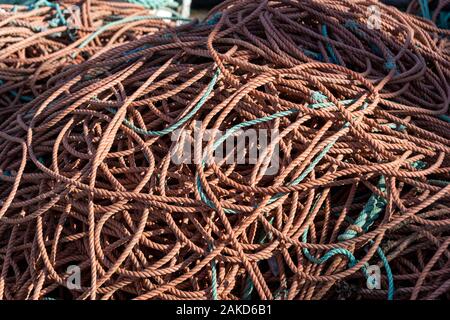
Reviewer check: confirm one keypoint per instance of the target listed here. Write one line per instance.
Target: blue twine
(329, 46)
(354, 26)
(248, 289)
(331, 253)
(123, 21)
(18, 2)
(214, 293)
(390, 276)
(425, 9)
(371, 211)
(419, 165)
(127, 53)
(395, 126)
(228, 133)
(58, 20)
(317, 96)
(375, 205)
(352, 261)
(180, 122)
(444, 17)
(375, 49)
(314, 55)
(155, 4)
(23, 98)
(14, 94)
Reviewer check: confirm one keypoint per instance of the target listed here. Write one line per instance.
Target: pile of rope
(39, 40)
(88, 177)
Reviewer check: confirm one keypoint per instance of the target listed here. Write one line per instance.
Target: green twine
(315, 96)
(248, 289)
(390, 276)
(14, 94)
(371, 211)
(329, 46)
(123, 21)
(444, 17)
(214, 293)
(180, 122)
(352, 261)
(443, 183)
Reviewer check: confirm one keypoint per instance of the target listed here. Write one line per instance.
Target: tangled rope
(88, 176)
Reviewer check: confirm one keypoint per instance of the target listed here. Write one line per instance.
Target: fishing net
(353, 179)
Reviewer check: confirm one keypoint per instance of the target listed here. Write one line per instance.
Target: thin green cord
(123, 21)
(367, 216)
(248, 289)
(443, 183)
(444, 17)
(315, 96)
(261, 120)
(354, 26)
(371, 211)
(14, 93)
(214, 293)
